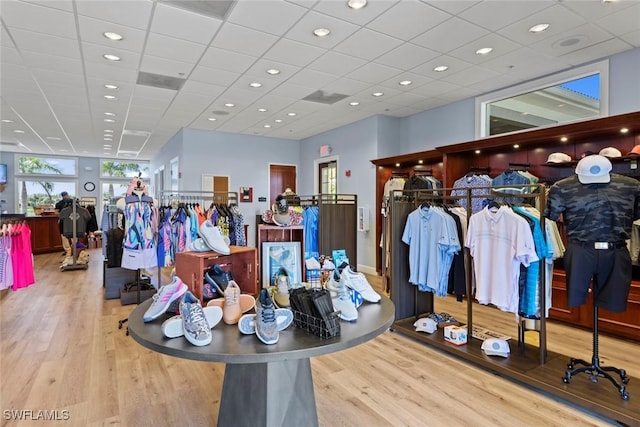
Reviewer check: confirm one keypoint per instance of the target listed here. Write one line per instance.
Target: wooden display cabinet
(191, 266)
(45, 234)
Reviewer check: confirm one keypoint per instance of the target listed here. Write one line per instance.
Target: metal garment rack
(416, 197)
(169, 198)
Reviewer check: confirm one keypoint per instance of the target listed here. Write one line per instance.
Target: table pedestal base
(274, 394)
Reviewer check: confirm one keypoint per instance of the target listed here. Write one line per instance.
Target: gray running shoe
(247, 323)
(164, 297)
(194, 322)
(266, 323)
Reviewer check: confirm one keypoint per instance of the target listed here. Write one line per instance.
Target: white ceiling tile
(111, 72)
(174, 49)
(435, 88)
(240, 97)
(31, 41)
(336, 63)
(387, 92)
(450, 35)
(374, 73)
(499, 44)
(458, 94)
(608, 47)
(594, 10)
(346, 86)
(165, 67)
(416, 80)
(494, 15)
(213, 76)
(526, 63)
(572, 40)
(274, 102)
(136, 14)
(226, 60)
(55, 63)
(244, 83)
(10, 55)
(454, 64)
(243, 40)
(363, 16)
(470, 76)
(282, 15)
(183, 24)
(407, 56)
(311, 78)
(156, 94)
(303, 30)
(66, 5)
(205, 89)
(558, 17)
(495, 83)
(622, 22)
(368, 44)
(260, 67)
(293, 52)
(407, 19)
(453, 7)
(39, 19)
(405, 99)
(93, 53)
(50, 75)
(633, 38)
(92, 30)
(292, 91)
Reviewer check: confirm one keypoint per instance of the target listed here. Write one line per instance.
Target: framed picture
(276, 255)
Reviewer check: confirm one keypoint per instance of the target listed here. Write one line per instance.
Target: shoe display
(218, 277)
(195, 327)
(231, 311)
(341, 299)
(356, 298)
(163, 299)
(282, 282)
(247, 323)
(247, 303)
(358, 282)
(199, 245)
(172, 327)
(266, 323)
(213, 237)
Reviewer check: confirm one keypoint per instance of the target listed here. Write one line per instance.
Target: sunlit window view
(328, 178)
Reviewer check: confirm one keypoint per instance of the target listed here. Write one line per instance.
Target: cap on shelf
(610, 152)
(496, 347)
(635, 151)
(594, 170)
(425, 324)
(559, 158)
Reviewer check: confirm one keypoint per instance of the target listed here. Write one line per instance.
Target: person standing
(61, 204)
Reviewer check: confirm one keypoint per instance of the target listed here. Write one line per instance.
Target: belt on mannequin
(600, 245)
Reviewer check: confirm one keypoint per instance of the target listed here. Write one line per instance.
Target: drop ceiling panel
(454, 64)
(204, 89)
(407, 56)
(282, 15)
(260, 67)
(336, 63)
(374, 73)
(226, 60)
(93, 53)
(213, 76)
(581, 56)
(458, 94)
(530, 63)
(64, 5)
(311, 78)
(499, 44)
(368, 44)
(404, 99)
(275, 102)
(416, 79)
(415, 18)
(10, 55)
(31, 41)
(54, 63)
(346, 86)
(494, 15)
(363, 16)
(192, 102)
(622, 22)
(92, 29)
(165, 67)
(435, 88)
(558, 17)
(595, 10)
(111, 73)
(470, 76)
(136, 14)
(450, 35)
(173, 49)
(42, 74)
(583, 36)
(240, 97)
(293, 53)
(182, 24)
(633, 38)
(243, 40)
(292, 91)
(303, 30)
(39, 19)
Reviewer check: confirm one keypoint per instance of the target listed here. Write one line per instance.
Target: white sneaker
(213, 237)
(164, 297)
(247, 323)
(341, 299)
(172, 327)
(358, 282)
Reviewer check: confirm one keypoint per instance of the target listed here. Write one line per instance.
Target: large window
(115, 169)
(328, 177)
(35, 195)
(40, 180)
(574, 95)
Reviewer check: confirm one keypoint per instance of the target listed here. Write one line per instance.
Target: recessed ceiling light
(54, 138)
(397, 165)
(18, 131)
(291, 114)
(107, 145)
(440, 68)
(477, 151)
(538, 28)
(357, 4)
(262, 110)
(484, 50)
(516, 145)
(109, 114)
(278, 120)
(109, 120)
(108, 130)
(111, 57)
(624, 130)
(112, 36)
(212, 119)
(7, 121)
(321, 32)
(111, 86)
(63, 151)
(110, 97)
(420, 162)
(376, 94)
(273, 71)
(405, 82)
(354, 103)
(267, 126)
(107, 135)
(229, 104)
(564, 139)
(255, 84)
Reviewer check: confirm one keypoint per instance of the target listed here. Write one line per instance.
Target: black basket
(318, 326)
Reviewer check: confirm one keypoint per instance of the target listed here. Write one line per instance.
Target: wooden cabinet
(274, 233)
(45, 234)
(191, 266)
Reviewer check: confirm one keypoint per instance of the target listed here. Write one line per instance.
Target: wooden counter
(45, 234)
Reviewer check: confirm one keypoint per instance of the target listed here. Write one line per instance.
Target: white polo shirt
(499, 242)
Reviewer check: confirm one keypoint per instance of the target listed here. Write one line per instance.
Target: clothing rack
(74, 240)
(407, 301)
(170, 198)
(513, 165)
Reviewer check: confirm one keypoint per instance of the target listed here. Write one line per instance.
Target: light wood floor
(61, 349)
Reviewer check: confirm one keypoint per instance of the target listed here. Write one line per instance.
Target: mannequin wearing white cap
(598, 208)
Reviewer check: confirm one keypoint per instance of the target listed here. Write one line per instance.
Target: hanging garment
(460, 189)
(139, 249)
(6, 264)
(310, 223)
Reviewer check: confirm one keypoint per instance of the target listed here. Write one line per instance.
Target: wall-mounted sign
(325, 150)
(246, 194)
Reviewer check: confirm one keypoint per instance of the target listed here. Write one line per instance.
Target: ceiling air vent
(220, 112)
(324, 97)
(159, 81)
(218, 9)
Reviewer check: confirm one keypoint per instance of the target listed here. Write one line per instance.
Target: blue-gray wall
(624, 82)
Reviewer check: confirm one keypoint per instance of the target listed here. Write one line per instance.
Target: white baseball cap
(496, 347)
(594, 169)
(610, 152)
(426, 324)
(559, 158)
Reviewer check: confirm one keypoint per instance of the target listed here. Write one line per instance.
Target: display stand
(74, 241)
(594, 369)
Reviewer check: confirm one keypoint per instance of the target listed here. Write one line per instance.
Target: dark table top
(231, 346)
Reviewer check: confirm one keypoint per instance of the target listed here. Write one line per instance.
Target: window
(37, 194)
(173, 173)
(36, 165)
(574, 95)
(40, 180)
(112, 190)
(328, 177)
(114, 169)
